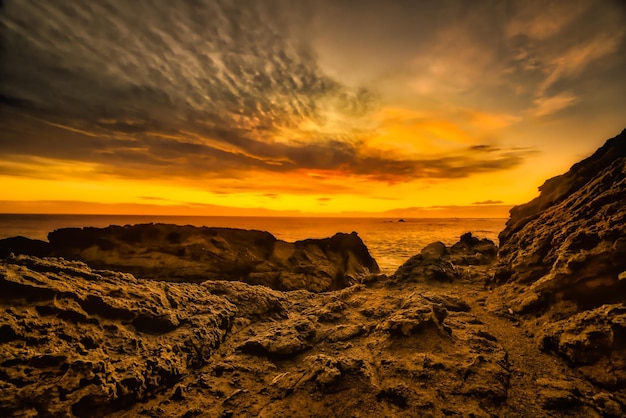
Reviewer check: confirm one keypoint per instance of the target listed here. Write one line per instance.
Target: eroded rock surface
(439, 263)
(570, 242)
(561, 269)
(83, 342)
(192, 254)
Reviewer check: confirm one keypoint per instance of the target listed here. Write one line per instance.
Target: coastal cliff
(537, 330)
(562, 265)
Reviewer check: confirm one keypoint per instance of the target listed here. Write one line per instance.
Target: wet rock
(471, 250)
(23, 245)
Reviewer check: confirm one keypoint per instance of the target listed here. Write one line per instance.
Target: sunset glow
(300, 108)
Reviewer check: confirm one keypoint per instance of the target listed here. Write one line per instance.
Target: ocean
(389, 241)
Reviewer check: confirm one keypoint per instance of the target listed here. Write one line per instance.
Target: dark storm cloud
(192, 88)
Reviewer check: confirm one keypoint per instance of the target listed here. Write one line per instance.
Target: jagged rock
(438, 263)
(558, 394)
(426, 267)
(473, 251)
(569, 243)
(415, 315)
(281, 341)
(90, 342)
(23, 245)
(187, 253)
(560, 272)
(84, 342)
(593, 341)
(607, 405)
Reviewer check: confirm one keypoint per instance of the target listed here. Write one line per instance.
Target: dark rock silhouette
(558, 188)
(188, 253)
(23, 245)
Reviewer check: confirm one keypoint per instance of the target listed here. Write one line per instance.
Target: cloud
(545, 106)
(489, 202)
(270, 195)
(552, 20)
(186, 64)
(205, 90)
(575, 60)
(558, 47)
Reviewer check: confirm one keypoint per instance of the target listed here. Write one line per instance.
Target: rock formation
(570, 242)
(193, 254)
(83, 342)
(436, 262)
(562, 264)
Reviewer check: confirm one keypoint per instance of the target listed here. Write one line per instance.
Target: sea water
(390, 241)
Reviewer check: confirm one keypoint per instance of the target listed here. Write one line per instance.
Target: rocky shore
(195, 254)
(163, 320)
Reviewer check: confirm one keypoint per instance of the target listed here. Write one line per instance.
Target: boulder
(23, 245)
(593, 341)
(438, 263)
(471, 251)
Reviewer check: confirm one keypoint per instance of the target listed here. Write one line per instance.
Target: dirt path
(535, 376)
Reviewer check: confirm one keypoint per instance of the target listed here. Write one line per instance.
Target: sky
(407, 108)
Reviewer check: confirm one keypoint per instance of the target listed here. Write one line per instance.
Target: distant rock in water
(188, 253)
(562, 259)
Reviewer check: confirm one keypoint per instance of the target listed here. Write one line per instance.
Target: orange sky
(424, 109)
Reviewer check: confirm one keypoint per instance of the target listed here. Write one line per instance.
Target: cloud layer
(274, 96)
(199, 88)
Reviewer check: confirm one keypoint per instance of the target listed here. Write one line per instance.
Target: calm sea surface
(390, 242)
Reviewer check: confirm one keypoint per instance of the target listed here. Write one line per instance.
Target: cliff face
(193, 254)
(569, 244)
(562, 266)
(556, 189)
